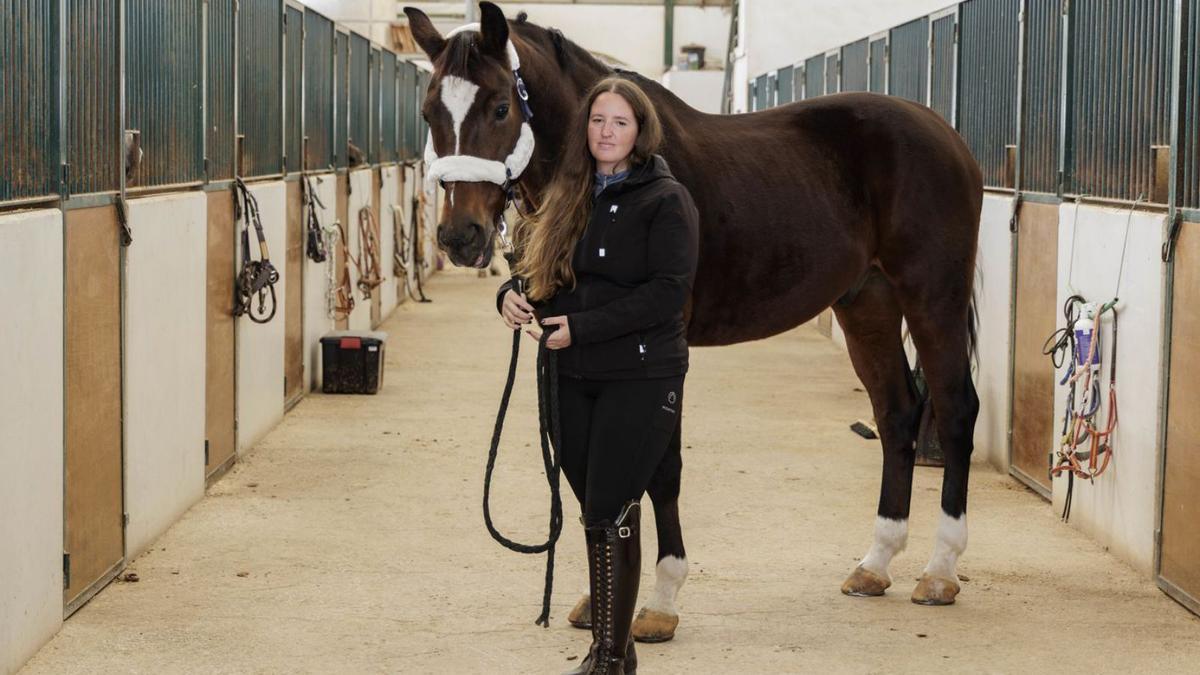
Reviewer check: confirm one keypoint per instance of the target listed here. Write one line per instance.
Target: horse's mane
(565, 51)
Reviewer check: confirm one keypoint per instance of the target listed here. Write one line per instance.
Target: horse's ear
(493, 28)
(424, 33)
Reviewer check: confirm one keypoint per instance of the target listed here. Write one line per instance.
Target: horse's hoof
(863, 583)
(654, 626)
(935, 591)
(581, 615)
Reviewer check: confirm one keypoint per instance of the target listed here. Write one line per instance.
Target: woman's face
(612, 131)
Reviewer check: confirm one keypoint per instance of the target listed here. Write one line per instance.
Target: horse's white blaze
(670, 574)
(951, 542)
(458, 95)
(891, 536)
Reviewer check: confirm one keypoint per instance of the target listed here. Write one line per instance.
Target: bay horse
(865, 203)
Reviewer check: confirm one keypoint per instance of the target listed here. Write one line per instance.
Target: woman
(608, 262)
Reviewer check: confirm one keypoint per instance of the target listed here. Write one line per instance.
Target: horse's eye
(502, 111)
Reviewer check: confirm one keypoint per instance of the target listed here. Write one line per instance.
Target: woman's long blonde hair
(550, 234)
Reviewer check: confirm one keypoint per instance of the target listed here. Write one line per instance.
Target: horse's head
(479, 139)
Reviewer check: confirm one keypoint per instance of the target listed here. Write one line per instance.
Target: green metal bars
(783, 86)
(1189, 110)
(293, 127)
(833, 71)
(879, 64)
(410, 148)
(855, 70)
(360, 98)
(92, 68)
(163, 97)
(943, 36)
(29, 147)
(341, 98)
(814, 76)
(260, 87)
(908, 62)
(1118, 93)
(219, 110)
(988, 96)
(1041, 95)
(389, 124)
(318, 92)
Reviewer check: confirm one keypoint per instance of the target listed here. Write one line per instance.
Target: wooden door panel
(1033, 373)
(95, 528)
(220, 404)
(1180, 554)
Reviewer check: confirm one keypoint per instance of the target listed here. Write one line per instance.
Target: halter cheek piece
(472, 169)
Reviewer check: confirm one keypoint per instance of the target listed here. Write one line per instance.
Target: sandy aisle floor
(351, 540)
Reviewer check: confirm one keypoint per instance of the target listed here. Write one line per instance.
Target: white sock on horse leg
(891, 536)
(670, 574)
(951, 542)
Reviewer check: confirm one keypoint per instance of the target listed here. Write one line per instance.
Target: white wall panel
(993, 296)
(165, 304)
(31, 433)
(360, 196)
(1118, 509)
(389, 199)
(317, 321)
(260, 346)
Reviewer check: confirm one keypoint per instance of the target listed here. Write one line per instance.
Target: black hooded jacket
(634, 268)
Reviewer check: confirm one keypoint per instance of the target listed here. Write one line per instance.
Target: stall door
(1033, 373)
(293, 310)
(219, 425)
(1179, 571)
(95, 528)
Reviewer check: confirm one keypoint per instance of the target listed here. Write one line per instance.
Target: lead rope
(550, 435)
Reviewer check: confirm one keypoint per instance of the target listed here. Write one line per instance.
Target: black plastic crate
(352, 362)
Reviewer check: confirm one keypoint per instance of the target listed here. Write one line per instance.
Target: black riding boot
(614, 570)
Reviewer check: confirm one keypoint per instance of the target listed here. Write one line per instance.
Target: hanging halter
(472, 169)
(257, 277)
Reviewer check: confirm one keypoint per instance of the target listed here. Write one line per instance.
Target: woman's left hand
(560, 338)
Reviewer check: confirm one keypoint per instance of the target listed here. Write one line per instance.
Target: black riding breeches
(614, 434)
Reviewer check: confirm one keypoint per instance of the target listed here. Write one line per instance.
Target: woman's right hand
(515, 310)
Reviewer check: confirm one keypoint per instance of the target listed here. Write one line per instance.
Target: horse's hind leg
(937, 310)
(658, 618)
(871, 323)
